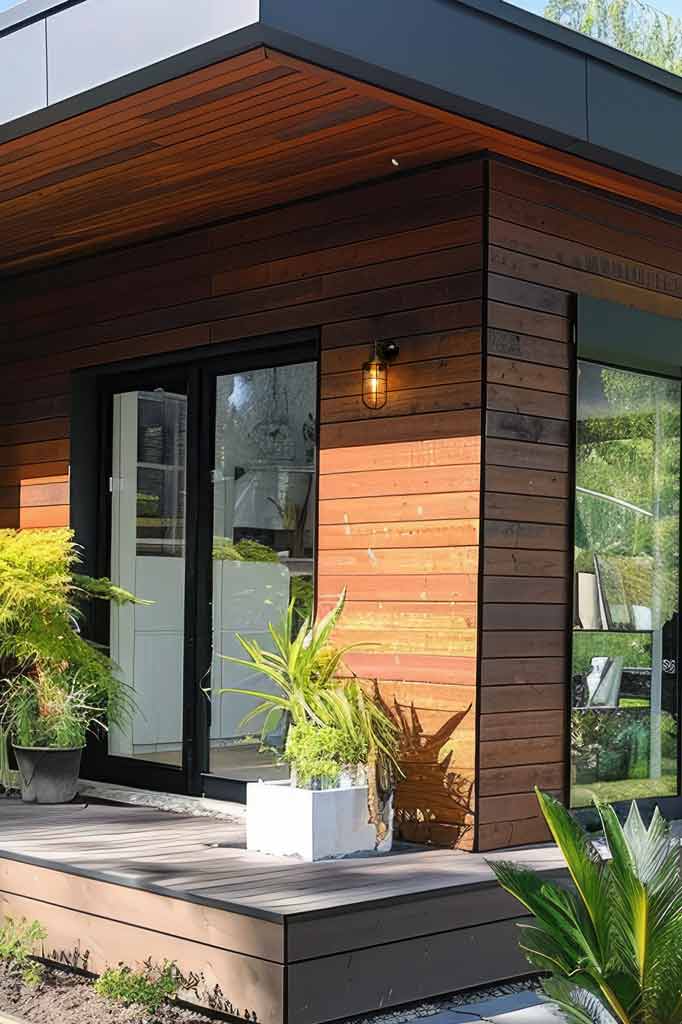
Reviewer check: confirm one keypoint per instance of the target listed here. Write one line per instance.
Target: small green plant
(613, 946)
(33, 974)
(303, 597)
(320, 753)
(149, 987)
(19, 944)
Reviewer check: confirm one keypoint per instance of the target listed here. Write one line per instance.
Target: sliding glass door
(148, 540)
(625, 693)
(263, 507)
(211, 488)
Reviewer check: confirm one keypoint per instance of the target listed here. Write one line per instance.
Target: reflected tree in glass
(627, 581)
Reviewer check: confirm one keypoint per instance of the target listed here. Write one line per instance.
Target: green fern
(56, 685)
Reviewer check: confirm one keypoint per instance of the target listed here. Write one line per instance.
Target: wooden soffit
(251, 132)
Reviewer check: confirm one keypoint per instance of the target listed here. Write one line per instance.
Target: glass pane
(264, 520)
(162, 430)
(148, 557)
(624, 679)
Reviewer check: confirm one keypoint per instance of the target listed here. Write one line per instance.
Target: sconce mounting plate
(387, 351)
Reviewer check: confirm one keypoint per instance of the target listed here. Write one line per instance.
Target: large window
(624, 717)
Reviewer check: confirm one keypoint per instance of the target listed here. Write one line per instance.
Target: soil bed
(68, 998)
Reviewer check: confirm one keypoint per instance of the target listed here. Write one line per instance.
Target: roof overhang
(423, 81)
(483, 59)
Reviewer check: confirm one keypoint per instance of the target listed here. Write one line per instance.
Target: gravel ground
(454, 1001)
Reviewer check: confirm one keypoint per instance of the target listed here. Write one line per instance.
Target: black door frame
(195, 373)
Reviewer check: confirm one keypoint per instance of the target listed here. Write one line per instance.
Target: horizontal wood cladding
(257, 130)
(253, 131)
(549, 239)
(399, 488)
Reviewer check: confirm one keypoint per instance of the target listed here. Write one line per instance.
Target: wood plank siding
(243, 134)
(399, 488)
(464, 595)
(549, 240)
(246, 133)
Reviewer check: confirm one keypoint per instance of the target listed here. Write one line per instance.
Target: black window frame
(610, 334)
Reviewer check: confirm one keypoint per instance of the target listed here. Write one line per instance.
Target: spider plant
(612, 945)
(315, 695)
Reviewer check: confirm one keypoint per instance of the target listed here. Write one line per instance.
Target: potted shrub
(55, 685)
(341, 745)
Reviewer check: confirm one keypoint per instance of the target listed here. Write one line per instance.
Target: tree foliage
(629, 25)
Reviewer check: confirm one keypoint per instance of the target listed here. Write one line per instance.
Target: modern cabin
(301, 296)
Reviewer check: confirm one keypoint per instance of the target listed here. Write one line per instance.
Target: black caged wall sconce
(375, 374)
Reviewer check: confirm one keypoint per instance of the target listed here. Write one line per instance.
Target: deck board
(292, 943)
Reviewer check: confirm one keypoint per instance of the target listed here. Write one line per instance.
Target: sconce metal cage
(375, 375)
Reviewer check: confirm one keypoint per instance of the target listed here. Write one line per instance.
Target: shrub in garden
(613, 945)
(20, 941)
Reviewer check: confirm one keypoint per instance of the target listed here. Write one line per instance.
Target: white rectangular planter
(313, 824)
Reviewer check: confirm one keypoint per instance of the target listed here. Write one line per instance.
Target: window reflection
(624, 692)
(264, 520)
(148, 557)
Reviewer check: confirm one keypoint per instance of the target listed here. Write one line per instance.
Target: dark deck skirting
(275, 938)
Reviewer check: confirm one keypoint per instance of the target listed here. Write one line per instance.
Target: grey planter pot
(49, 775)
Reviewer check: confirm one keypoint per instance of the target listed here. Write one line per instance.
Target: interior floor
(244, 762)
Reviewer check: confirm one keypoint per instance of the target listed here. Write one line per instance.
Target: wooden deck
(276, 940)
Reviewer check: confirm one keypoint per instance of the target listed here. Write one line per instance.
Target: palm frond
(613, 945)
(577, 1005)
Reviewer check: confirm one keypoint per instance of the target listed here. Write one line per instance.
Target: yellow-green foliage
(56, 684)
(244, 550)
(149, 987)
(35, 577)
(19, 943)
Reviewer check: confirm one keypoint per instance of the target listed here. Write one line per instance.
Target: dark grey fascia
(607, 332)
(483, 59)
